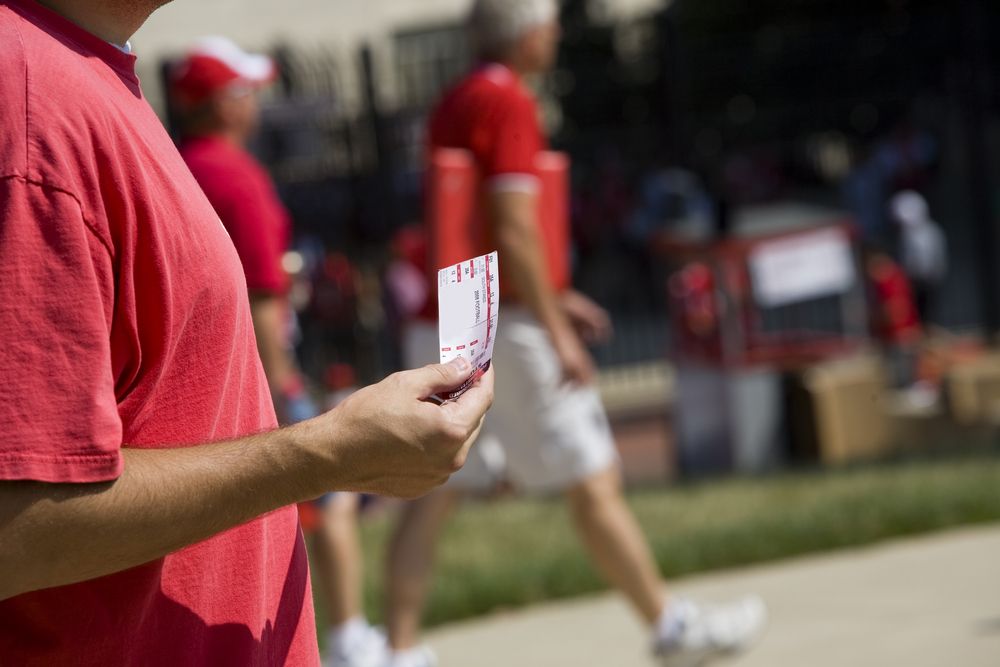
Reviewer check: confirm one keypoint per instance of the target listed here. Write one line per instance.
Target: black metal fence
(730, 93)
(344, 140)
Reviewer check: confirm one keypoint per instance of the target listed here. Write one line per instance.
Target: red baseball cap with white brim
(214, 64)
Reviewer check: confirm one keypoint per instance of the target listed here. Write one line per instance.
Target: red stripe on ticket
(467, 311)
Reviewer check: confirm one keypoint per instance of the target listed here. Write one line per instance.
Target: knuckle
(455, 432)
(429, 429)
(436, 428)
(442, 427)
(397, 380)
(438, 369)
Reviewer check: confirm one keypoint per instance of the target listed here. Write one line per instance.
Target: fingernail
(461, 364)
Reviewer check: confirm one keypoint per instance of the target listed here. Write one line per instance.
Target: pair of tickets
(468, 304)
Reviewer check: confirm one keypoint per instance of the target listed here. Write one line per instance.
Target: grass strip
(513, 553)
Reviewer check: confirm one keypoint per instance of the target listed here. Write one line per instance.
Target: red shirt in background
(896, 318)
(244, 196)
(124, 318)
(492, 115)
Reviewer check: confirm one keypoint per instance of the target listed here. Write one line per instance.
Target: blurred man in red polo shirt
(548, 431)
(214, 89)
(146, 495)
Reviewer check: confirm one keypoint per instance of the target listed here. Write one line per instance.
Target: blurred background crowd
(696, 132)
(790, 209)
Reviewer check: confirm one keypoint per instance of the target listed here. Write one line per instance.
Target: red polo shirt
(493, 115)
(243, 195)
(124, 322)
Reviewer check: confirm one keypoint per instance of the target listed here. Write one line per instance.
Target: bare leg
(615, 542)
(410, 562)
(338, 558)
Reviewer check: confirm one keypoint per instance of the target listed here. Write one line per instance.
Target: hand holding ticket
(468, 303)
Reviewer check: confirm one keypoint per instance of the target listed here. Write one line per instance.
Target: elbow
(515, 235)
(19, 569)
(23, 570)
(11, 579)
(505, 240)
(18, 578)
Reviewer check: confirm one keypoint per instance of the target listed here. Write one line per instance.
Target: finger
(602, 321)
(573, 375)
(598, 329)
(585, 373)
(470, 407)
(605, 331)
(438, 377)
(463, 453)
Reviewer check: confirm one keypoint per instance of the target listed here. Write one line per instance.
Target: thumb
(440, 377)
(473, 404)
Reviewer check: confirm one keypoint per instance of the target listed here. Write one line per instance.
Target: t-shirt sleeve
(257, 223)
(510, 162)
(57, 397)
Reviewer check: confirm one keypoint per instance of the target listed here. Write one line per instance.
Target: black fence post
(671, 88)
(974, 100)
(171, 120)
(385, 190)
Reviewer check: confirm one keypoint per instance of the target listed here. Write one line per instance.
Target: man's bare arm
(385, 439)
(514, 216)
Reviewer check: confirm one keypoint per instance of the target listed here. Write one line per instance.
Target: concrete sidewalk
(929, 601)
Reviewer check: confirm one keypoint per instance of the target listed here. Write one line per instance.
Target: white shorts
(541, 434)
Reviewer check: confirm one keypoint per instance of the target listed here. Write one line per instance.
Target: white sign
(806, 266)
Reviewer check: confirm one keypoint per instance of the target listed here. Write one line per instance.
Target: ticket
(468, 304)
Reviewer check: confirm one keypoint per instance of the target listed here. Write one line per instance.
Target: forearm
(269, 313)
(520, 244)
(385, 439)
(57, 534)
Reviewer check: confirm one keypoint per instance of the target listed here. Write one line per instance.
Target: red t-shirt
(492, 115)
(244, 196)
(124, 319)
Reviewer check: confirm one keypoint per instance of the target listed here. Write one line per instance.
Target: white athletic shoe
(421, 656)
(367, 648)
(706, 633)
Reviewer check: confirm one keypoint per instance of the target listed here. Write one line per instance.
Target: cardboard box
(838, 410)
(973, 390)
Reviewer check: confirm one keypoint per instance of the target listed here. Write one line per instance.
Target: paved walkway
(925, 602)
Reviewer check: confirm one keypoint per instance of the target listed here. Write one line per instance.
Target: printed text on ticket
(468, 303)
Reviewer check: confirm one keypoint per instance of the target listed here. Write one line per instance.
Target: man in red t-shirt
(548, 430)
(214, 90)
(146, 501)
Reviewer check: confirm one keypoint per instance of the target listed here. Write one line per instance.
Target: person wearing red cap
(146, 496)
(214, 90)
